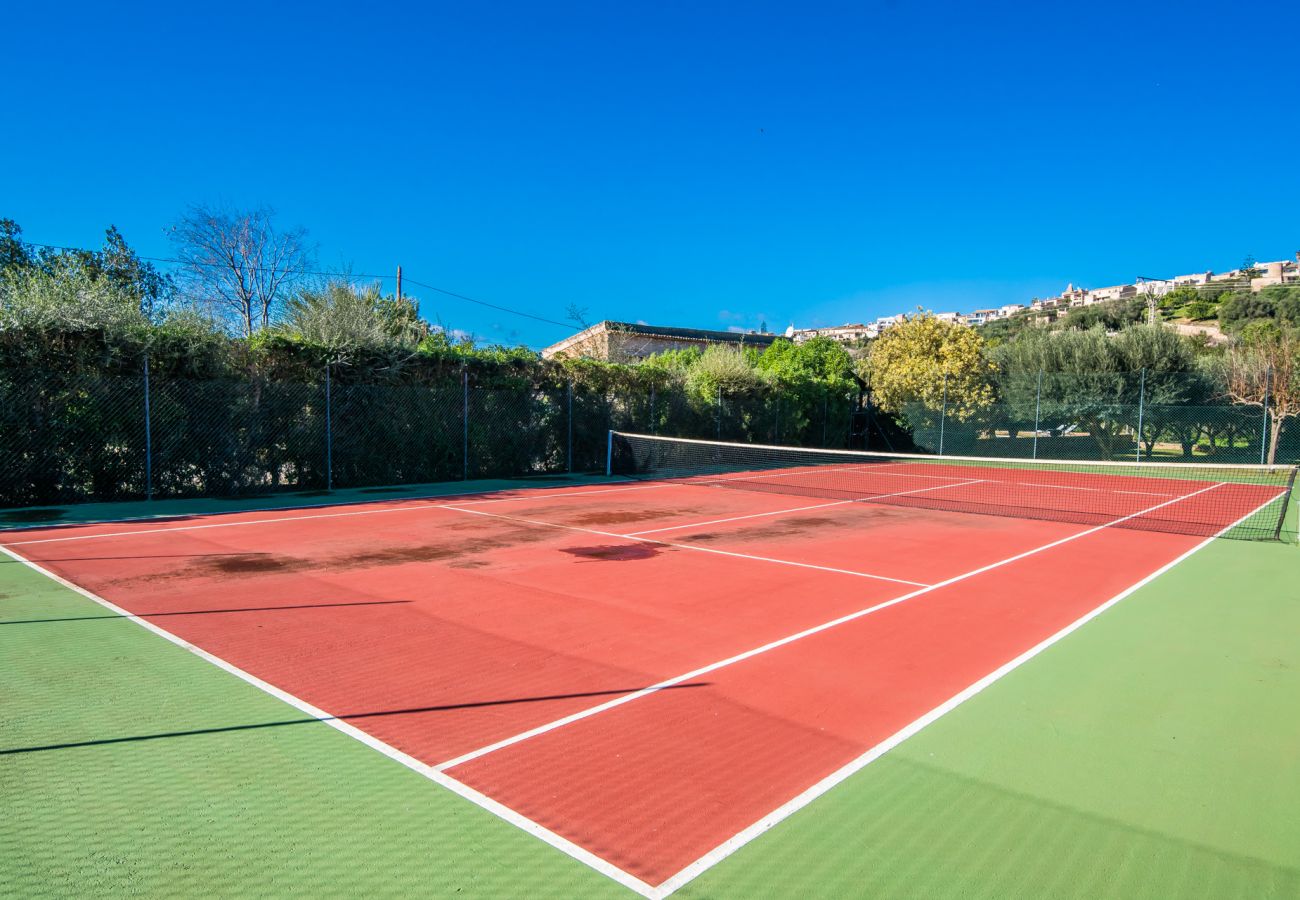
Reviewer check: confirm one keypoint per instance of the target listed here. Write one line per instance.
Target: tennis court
(650, 672)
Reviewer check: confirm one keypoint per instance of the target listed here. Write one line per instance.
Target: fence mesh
(74, 438)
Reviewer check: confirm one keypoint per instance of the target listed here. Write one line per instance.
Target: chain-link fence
(74, 438)
(1104, 416)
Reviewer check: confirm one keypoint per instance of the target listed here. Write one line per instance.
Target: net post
(609, 453)
(1286, 500)
(943, 412)
(329, 432)
(1263, 432)
(464, 422)
(148, 435)
(1142, 398)
(1038, 407)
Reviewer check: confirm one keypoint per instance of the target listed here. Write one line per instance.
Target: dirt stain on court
(247, 563)
(617, 552)
(623, 516)
(782, 528)
(462, 548)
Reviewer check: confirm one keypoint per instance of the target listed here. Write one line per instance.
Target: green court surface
(1153, 753)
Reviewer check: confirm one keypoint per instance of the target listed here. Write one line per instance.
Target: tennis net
(1237, 501)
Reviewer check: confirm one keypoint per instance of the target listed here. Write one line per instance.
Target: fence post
(654, 426)
(1038, 408)
(943, 412)
(826, 414)
(569, 444)
(329, 432)
(1263, 434)
(719, 414)
(776, 427)
(148, 435)
(1142, 403)
(464, 423)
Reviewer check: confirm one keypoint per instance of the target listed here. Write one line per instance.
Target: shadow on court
(209, 612)
(345, 717)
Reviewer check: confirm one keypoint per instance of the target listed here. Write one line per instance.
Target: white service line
(500, 810)
(731, 845)
(777, 512)
(789, 639)
(695, 547)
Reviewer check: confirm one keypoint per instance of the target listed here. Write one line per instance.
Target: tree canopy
(931, 364)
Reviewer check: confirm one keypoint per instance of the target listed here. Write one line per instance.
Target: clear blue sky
(711, 165)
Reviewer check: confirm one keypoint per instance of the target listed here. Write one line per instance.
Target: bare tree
(238, 262)
(1265, 372)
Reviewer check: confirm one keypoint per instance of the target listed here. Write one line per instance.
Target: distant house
(630, 342)
(845, 334)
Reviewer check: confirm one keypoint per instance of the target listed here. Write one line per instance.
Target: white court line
(783, 812)
(777, 512)
(424, 506)
(501, 811)
(789, 639)
(695, 547)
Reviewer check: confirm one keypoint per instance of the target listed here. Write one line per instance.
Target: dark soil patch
(782, 528)
(244, 563)
(617, 552)
(622, 516)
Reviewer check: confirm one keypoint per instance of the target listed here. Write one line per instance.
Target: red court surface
(646, 675)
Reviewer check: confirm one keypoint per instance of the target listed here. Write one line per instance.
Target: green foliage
(1112, 315)
(821, 361)
(1094, 381)
(673, 364)
(999, 331)
(344, 319)
(1237, 309)
(723, 368)
(13, 252)
(928, 364)
(1178, 298)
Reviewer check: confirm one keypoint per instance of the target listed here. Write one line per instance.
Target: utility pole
(399, 284)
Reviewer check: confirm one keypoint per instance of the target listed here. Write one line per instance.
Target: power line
(489, 305)
(350, 275)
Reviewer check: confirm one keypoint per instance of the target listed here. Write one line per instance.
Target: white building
(845, 334)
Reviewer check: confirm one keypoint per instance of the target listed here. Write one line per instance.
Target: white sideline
(789, 639)
(790, 807)
(496, 808)
(425, 504)
(777, 512)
